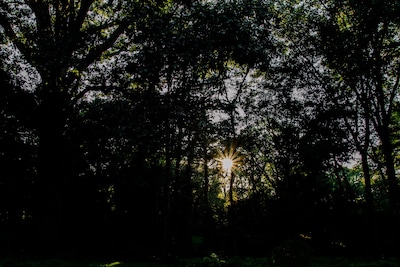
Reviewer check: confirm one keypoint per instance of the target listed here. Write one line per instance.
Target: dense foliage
(117, 119)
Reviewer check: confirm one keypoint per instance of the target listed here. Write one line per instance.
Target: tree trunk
(60, 200)
(52, 170)
(387, 150)
(206, 185)
(232, 220)
(382, 125)
(367, 179)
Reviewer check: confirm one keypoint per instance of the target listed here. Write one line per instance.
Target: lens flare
(229, 159)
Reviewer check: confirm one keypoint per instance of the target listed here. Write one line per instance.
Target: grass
(213, 261)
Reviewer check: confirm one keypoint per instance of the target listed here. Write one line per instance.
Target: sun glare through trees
(169, 129)
(227, 164)
(229, 159)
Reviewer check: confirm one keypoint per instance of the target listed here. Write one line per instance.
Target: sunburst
(227, 164)
(229, 159)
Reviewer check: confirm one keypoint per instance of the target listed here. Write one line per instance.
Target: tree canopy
(118, 119)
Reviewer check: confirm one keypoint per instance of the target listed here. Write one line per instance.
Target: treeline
(116, 115)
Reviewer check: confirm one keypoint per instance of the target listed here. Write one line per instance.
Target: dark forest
(162, 129)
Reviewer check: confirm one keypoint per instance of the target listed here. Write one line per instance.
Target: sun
(229, 159)
(227, 164)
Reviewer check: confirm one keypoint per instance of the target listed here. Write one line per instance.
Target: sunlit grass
(111, 264)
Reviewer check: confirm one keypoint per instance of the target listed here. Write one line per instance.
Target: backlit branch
(97, 51)
(21, 43)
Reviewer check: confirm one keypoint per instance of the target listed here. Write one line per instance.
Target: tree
(366, 63)
(296, 130)
(17, 165)
(189, 54)
(59, 41)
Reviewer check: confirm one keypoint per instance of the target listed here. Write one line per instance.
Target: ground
(213, 260)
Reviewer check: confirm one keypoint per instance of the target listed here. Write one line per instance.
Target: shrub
(213, 261)
(292, 252)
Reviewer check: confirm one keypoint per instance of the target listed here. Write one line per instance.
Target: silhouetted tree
(366, 63)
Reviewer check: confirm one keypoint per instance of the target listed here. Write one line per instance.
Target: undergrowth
(213, 260)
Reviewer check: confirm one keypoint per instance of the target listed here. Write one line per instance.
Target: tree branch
(19, 43)
(42, 15)
(393, 94)
(96, 52)
(80, 18)
(99, 88)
